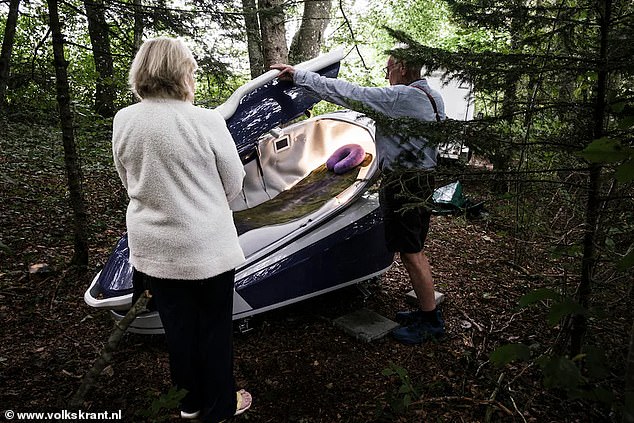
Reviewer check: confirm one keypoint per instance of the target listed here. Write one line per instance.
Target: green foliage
(579, 377)
(566, 307)
(213, 87)
(616, 151)
(406, 392)
(539, 295)
(560, 372)
(31, 89)
(560, 306)
(159, 406)
(565, 374)
(429, 20)
(606, 150)
(4, 248)
(625, 172)
(508, 353)
(627, 261)
(595, 362)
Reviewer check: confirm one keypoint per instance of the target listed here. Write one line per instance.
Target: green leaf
(603, 395)
(625, 172)
(5, 248)
(507, 353)
(595, 361)
(538, 295)
(560, 372)
(605, 150)
(407, 400)
(626, 123)
(564, 308)
(618, 107)
(387, 372)
(626, 262)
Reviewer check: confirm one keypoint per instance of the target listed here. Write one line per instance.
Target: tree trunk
(502, 157)
(588, 261)
(71, 160)
(274, 47)
(308, 39)
(7, 48)
(138, 24)
(254, 41)
(100, 39)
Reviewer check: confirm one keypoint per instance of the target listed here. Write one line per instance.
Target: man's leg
(419, 271)
(425, 323)
(406, 229)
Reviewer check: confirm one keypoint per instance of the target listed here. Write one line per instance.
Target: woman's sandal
(243, 402)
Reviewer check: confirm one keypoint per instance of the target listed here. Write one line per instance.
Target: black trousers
(197, 318)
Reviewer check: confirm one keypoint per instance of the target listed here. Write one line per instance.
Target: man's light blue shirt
(396, 101)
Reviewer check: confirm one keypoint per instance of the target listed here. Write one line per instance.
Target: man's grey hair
(409, 63)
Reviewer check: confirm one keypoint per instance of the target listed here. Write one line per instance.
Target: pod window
(282, 144)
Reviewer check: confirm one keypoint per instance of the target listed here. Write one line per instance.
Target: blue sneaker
(419, 332)
(407, 317)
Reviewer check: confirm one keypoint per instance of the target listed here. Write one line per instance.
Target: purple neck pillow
(345, 158)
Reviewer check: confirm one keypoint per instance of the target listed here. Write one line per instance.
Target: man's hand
(286, 71)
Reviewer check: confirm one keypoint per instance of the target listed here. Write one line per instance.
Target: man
(407, 164)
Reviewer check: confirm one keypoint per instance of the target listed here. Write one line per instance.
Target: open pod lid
(267, 102)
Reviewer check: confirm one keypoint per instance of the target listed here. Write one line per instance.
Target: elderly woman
(180, 168)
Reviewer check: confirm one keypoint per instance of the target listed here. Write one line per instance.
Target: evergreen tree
(554, 83)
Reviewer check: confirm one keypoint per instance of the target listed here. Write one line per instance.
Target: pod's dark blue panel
(116, 277)
(351, 253)
(271, 105)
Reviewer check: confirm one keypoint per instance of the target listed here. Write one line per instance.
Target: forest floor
(297, 364)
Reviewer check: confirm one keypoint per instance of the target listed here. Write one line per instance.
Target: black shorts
(405, 198)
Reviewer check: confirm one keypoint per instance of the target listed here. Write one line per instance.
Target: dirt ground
(297, 364)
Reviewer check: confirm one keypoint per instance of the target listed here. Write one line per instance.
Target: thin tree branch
(105, 358)
(354, 39)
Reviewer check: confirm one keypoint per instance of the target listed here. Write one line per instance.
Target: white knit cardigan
(180, 167)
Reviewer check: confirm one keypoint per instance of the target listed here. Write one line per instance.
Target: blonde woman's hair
(163, 67)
